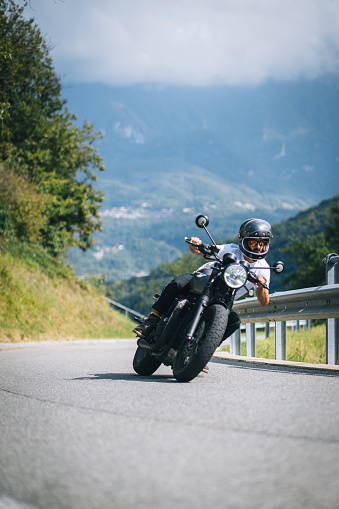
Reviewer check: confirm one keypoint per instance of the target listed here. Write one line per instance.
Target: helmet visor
(257, 245)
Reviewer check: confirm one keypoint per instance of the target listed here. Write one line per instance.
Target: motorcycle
(187, 336)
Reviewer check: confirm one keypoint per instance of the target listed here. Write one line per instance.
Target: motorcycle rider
(254, 238)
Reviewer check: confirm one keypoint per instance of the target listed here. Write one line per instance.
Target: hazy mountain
(173, 152)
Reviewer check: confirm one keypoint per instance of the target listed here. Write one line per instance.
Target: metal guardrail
(124, 308)
(309, 303)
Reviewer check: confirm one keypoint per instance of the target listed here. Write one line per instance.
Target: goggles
(260, 242)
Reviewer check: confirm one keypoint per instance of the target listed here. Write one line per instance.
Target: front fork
(204, 300)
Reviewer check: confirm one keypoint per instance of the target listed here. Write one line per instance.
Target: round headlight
(235, 275)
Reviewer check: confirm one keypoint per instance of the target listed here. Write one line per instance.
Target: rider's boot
(149, 324)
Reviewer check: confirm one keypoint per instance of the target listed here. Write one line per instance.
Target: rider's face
(257, 245)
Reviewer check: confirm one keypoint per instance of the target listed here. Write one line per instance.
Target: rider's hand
(194, 249)
(261, 279)
(196, 240)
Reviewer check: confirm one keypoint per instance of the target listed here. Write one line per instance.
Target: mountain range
(230, 152)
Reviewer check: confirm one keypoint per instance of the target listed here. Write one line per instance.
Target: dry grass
(303, 346)
(36, 305)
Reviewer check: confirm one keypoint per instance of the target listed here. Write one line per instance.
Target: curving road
(79, 430)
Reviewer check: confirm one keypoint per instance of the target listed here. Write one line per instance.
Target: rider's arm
(263, 295)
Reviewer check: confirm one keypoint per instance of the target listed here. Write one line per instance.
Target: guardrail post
(332, 326)
(237, 342)
(267, 330)
(280, 341)
(308, 325)
(250, 339)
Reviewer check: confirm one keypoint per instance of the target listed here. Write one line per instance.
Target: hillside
(137, 293)
(42, 299)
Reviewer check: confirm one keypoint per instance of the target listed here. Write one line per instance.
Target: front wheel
(193, 355)
(144, 363)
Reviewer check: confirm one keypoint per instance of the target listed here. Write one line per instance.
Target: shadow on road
(129, 377)
(276, 368)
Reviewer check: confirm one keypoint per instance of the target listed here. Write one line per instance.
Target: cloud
(190, 42)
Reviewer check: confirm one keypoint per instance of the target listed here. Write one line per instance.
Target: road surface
(80, 430)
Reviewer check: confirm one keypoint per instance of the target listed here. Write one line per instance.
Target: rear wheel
(193, 355)
(144, 363)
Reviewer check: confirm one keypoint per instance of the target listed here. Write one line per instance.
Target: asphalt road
(80, 430)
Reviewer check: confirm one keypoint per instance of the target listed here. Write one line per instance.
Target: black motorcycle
(187, 336)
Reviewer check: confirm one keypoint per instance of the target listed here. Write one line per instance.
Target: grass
(303, 346)
(41, 298)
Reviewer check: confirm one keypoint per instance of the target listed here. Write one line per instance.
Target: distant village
(146, 210)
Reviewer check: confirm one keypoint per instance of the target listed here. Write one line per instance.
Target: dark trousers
(180, 286)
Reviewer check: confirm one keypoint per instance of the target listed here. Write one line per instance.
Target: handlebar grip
(203, 248)
(188, 240)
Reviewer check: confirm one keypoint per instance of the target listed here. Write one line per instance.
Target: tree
(309, 253)
(39, 140)
(30, 91)
(332, 229)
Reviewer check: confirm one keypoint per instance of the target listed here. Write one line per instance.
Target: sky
(189, 42)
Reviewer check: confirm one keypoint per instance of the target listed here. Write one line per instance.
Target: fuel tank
(200, 280)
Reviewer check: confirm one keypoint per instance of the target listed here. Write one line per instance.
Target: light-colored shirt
(258, 267)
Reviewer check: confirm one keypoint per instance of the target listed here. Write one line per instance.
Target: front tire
(193, 356)
(144, 363)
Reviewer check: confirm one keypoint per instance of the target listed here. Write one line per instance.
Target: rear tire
(192, 357)
(144, 363)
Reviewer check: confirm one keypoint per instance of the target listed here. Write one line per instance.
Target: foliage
(332, 229)
(39, 140)
(98, 282)
(28, 82)
(309, 253)
(186, 264)
(306, 223)
(137, 292)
